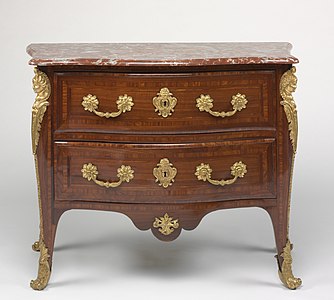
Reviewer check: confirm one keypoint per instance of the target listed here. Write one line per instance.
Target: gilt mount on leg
(44, 270)
(42, 88)
(285, 270)
(35, 246)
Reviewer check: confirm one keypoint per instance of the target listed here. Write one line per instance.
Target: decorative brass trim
(288, 85)
(205, 103)
(44, 270)
(41, 86)
(91, 104)
(90, 172)
(35, 246)
(164, 173)
(166, 224)
(285, 271)
(203, 172)
(164, 102)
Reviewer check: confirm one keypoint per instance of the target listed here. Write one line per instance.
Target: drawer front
(144, 173)
(165, 103)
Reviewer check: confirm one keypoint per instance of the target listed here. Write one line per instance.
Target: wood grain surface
(257, 86)
(258, 155)
(257, 135)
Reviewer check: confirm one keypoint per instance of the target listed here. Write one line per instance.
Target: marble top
(160, 54)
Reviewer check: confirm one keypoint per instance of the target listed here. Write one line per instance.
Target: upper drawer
(165, 103)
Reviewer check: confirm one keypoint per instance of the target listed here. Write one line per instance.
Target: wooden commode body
(165, 134)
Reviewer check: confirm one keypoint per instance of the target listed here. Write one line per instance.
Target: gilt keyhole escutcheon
(164, 103)
(164, 173)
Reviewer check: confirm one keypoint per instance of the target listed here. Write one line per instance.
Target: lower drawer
(172, 173)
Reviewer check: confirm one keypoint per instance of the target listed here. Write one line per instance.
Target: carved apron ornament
(166, 224)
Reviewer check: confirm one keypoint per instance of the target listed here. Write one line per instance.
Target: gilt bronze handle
(91, 104)
(238, 170)
(90, 172)
(205, 103)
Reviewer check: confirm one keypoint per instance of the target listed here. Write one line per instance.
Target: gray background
(231, 253)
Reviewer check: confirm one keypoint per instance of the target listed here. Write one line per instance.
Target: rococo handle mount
(196, 128)
(91, 103)
(205, 103)
(90, 172)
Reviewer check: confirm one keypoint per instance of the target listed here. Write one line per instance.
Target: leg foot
(285, 270)
(35, 246)
(44, 270)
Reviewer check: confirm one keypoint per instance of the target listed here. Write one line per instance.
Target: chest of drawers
(165, 134)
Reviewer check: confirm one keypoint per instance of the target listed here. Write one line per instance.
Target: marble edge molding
(160, 54)
(191, 62)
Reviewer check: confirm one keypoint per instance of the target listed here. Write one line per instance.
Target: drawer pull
(205, 103)
(166, 224)
(90, 172)
(203, 172)
(91, 103)
(164, 102)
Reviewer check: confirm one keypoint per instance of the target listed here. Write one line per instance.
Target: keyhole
(165, 174)
(165, 103)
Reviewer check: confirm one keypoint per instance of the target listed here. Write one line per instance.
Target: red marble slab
(160, 54)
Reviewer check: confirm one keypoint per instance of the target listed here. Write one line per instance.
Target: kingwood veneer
(164, 133)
